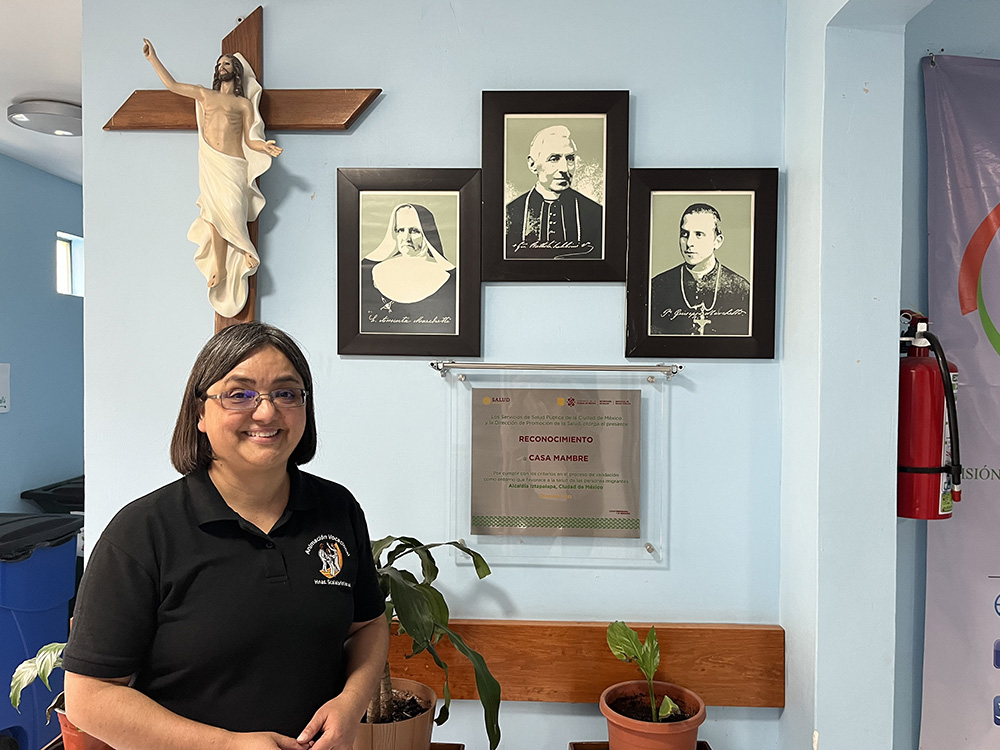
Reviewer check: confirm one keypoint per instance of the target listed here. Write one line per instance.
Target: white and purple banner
(961, 690)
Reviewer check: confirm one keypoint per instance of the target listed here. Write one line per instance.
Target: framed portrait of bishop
(555, 184)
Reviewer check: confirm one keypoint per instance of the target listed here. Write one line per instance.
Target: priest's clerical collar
(700, 274)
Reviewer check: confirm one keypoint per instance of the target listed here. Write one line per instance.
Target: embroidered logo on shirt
(331, 551)
(332, 557)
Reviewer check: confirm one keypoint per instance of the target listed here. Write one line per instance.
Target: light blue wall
(707, 90)
(844, 102)
(712, 83)
(41, 335)
(857, 555)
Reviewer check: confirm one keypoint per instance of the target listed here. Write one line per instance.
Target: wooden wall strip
(569, 662)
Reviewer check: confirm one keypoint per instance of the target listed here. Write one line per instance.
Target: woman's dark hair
(189, 448)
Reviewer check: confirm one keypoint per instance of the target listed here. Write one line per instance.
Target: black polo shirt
(218, 621)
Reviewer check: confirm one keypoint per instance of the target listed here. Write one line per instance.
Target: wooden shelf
(569, 662)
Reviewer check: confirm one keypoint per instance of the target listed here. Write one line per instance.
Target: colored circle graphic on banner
(970, 275)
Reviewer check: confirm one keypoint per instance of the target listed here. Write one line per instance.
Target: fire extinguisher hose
(955, 467)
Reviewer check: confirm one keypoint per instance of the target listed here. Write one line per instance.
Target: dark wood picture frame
(369, 322)
(728, 312)
(598, 123)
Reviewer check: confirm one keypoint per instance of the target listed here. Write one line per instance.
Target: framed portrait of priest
(701, 263)
(408, 262)
(555, 185)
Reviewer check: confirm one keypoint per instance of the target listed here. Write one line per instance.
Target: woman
(210, 614)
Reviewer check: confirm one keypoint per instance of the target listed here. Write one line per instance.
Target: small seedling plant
(624, 644)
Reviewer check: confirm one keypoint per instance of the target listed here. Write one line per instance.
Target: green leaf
(24, 675)
(443, 714)
(428, 567)
(59, 702)
(383, 582)
(482, 569)
(412, 609)
(486, 684)
(408, 544)
(668, 708)
(48, 658)
(436, 602)
(624, 642)
(649, 655)
(379, 546)
(40, 666)
(397, 552)
(652, 645)
(404, 545)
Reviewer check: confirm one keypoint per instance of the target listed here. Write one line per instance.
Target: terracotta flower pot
(631, 734)
(412, 734)
(74, 739)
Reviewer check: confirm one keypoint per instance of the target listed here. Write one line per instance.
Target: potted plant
(648, 715)
(39, 667)
(420, 612)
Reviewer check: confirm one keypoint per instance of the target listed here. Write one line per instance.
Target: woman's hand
(266, 741)
(336, 725)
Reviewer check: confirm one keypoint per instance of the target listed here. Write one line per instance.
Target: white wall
(41, 335)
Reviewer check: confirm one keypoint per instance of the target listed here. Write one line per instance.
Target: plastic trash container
(37, 580)
(59, 497)
(62, 497)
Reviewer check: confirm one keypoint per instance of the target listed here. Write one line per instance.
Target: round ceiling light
(44, 116)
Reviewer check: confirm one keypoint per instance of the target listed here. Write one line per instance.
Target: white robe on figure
(229, 199)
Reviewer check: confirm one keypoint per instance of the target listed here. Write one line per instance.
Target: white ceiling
(40, 43)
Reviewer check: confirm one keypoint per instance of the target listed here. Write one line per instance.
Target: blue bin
(37, 580)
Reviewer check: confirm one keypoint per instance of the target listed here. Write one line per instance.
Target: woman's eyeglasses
(242, 400)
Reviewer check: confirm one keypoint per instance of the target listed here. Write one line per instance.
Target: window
(69, 264)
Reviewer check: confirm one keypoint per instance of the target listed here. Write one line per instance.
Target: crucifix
(281, 109)
(701, 321)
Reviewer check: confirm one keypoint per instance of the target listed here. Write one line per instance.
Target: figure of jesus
(232, 153)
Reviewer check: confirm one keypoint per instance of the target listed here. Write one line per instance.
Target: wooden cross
(281, 109)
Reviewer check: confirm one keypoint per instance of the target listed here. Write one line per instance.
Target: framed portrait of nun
(408, 249)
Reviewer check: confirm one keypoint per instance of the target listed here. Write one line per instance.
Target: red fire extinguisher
(929, 475)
